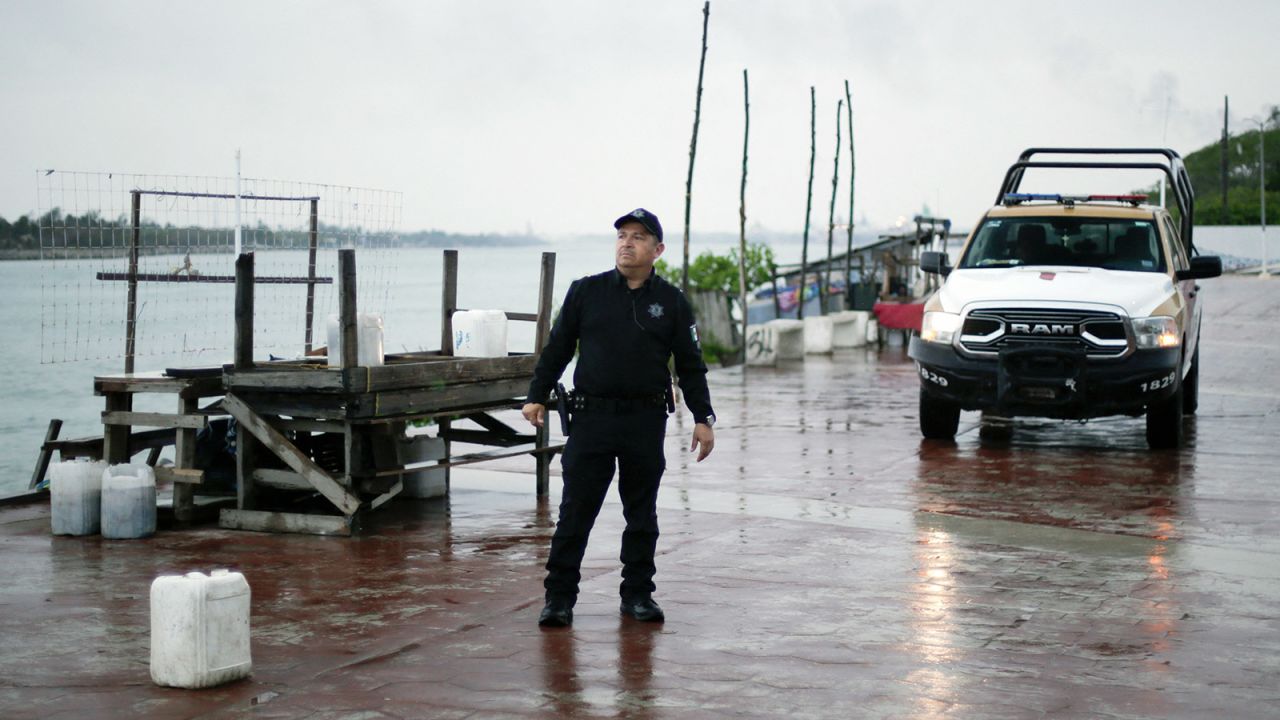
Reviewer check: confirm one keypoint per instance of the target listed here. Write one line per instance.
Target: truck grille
(1098, 334)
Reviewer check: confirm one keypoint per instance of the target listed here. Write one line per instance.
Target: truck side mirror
(936, 263)
(1202, 267)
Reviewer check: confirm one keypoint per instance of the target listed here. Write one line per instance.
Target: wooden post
(244, 311)
(449, 302)
(808, 204)
(824, 289)
(115, 438)
(742, 216)
(42, 460)
(848, 253)
(546, 286)
(347, 308)
(184, 458)
(131, 305)
(542, 436)
(693, 150)
(777, 302)
(1226, 113)
(313, 243)
(246, 445)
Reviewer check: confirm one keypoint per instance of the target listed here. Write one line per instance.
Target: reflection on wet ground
(825, 562)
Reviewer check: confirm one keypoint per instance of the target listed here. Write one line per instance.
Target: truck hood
(1137, 294)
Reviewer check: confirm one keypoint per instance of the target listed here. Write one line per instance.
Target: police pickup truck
(1071, 307)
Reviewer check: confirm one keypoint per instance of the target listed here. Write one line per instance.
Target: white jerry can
(368, 340)
(128, 501)
(75, 496)
(200, 629)
(480, 333)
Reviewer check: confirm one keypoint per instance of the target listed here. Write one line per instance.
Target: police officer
(625, 324)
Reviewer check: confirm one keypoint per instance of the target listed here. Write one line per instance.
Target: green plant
(710, 271)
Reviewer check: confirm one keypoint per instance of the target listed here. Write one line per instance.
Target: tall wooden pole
(244, 311)
(825, 289)
(742, 214)
(313, 243)
(1226, 107)
(131, 304)
(808, 205)
(848, 253)
(693, 149)
(347, 317)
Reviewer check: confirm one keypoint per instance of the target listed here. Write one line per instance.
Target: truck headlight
(1156, 332)
(939, 327)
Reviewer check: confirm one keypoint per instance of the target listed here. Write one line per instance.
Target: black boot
(642, 609)
(558, 612)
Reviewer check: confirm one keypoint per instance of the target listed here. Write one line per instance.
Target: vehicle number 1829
(933, 377)
(1158, 384)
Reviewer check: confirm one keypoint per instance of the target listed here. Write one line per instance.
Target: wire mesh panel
(152, 258)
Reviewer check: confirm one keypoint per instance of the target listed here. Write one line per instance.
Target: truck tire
(1164, 421)
(1191, 386)
(938, 418)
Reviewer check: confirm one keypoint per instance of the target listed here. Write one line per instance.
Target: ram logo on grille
(1041, 329)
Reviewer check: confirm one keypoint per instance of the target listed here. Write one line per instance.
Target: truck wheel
(938, 418)
(1164, 421)
(1191, 386)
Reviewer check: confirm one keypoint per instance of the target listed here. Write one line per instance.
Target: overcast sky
(557, 116)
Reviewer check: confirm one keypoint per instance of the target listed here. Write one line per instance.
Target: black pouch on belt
(562, 406)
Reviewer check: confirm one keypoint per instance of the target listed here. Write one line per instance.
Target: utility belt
(570, 404)
(578, 402)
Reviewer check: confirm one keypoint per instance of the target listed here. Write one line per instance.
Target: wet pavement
(825, 562)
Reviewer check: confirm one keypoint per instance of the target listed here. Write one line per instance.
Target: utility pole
(1262, 192)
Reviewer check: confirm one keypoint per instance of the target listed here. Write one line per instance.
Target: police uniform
(624, 338)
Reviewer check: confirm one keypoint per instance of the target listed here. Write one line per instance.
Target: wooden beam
(291, 455)
(394, 491)
(281, 522)
(150, 419)
(179, 477)
(45, 454)
(281, 479)
(115, 438)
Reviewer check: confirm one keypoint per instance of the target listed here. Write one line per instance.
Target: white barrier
(850, 330)
(788, 338)
(818, 331)
(762, 345)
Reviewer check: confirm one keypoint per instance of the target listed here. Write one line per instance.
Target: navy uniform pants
(599, 442)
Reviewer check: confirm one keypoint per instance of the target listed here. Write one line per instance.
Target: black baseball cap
(645, 218)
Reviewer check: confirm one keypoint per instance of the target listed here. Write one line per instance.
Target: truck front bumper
(1047, 382)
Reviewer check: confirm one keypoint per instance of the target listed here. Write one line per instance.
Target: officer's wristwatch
(709, 421)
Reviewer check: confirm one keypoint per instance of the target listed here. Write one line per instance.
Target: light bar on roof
(1018, 198)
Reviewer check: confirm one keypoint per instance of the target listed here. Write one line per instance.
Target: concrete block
(762, 344)
(789, 338)
(818, 331)
(850, 329)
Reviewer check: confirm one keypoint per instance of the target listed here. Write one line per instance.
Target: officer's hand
(704, 439)
(535, 413)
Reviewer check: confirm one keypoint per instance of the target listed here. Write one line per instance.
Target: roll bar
(1174, 170)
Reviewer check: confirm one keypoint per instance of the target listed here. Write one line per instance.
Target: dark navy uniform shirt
(624, 338)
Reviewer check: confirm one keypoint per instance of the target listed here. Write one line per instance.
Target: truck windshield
(1112, 243)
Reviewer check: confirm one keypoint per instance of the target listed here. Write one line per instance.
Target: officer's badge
(655, 311)
(693, 332)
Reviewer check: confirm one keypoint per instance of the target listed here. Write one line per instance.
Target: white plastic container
(368, 340)
(75, 496)
(200, 629)
(128, 501)
(480, 333)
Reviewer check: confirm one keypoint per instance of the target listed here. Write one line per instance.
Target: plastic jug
(128, 501)
(368, 340)
(75, 496)
(480, 333)
(200, 629)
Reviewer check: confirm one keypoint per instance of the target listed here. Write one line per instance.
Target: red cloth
(899, 316)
